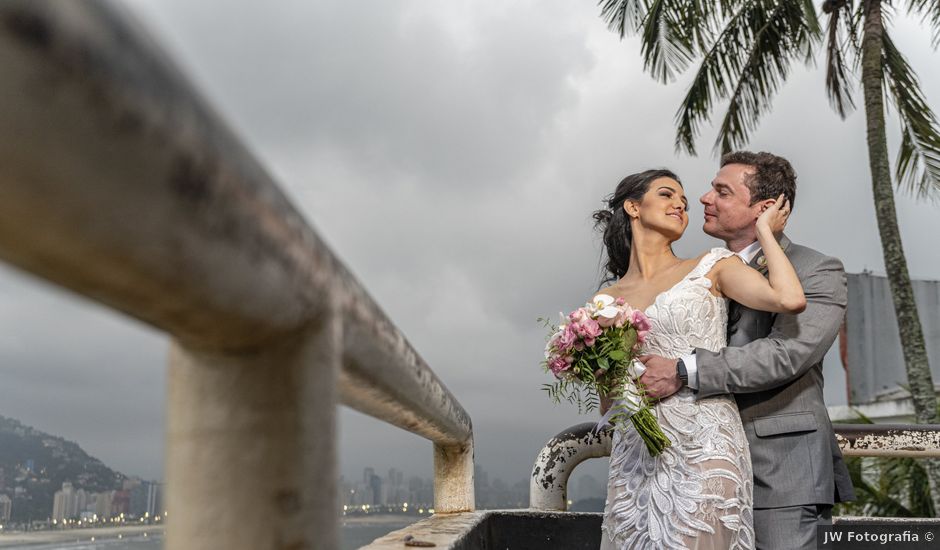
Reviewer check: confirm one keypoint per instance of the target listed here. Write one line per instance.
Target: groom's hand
(660, 378)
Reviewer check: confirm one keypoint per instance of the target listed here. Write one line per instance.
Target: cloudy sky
(451, 154)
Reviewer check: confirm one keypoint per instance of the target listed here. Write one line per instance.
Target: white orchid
(603, 306)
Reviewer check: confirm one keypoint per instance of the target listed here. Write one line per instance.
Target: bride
(698, 493)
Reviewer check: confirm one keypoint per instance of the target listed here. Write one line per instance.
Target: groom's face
(729, 214)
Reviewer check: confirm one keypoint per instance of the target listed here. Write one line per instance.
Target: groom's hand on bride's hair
(660, 377)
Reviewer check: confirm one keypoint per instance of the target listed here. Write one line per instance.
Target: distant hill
(34, 464)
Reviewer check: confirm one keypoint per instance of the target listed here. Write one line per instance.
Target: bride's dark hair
(615, 224)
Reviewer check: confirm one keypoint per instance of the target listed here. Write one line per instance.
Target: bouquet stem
(648, 428)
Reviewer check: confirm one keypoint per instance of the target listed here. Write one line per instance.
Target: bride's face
(663, 209)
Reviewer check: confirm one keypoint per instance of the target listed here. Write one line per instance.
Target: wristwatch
(682, 373)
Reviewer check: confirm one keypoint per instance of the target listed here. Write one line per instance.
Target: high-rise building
(120, 503)
(103, 504)
(395, 478)
(138, 500)
(6, 508)
(79, 503)
(377, 493)
(65, 503)
(154, 499)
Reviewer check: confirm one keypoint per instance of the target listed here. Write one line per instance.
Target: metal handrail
(120, 183)
(548, 486)
(893, 440)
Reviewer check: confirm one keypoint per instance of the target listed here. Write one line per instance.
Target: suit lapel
(758, 262)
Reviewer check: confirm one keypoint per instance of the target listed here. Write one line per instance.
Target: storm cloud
(451, 154)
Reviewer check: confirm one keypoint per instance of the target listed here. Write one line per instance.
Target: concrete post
(251, 461)
(453, 478)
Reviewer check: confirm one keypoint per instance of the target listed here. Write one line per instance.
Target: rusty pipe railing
(548, 486)
(896, 440)
(120, 183)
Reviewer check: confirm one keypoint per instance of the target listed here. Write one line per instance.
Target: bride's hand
(775, 216)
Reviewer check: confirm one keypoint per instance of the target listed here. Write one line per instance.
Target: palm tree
(747, 48)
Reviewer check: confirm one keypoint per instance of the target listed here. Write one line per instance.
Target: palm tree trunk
(912, 336)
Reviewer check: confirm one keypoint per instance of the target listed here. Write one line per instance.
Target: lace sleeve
(709, 260)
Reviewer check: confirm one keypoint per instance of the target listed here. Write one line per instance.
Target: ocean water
(351, 537)
(151, 542)
(354, 536)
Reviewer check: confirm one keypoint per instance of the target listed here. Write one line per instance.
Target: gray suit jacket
(773, 366)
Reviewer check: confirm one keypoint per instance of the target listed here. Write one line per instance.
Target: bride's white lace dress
(698, 493)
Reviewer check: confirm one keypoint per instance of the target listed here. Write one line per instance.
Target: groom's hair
(772, 175)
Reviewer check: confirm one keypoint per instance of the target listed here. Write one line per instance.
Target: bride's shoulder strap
(709, 260)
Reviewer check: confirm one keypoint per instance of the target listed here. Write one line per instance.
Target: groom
(773, 363)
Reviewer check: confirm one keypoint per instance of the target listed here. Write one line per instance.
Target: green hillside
(34, 464)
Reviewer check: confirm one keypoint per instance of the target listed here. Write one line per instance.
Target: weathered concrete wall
(497, 530)
(873, 347)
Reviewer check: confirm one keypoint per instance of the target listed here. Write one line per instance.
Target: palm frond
(719, 64)
(812, 23)
(781, 34)
(745, 62)
(840, 34)
(671, 31)
(918, 163)
(929, 10)
(878, 498)
(623, 16)
(667, 46)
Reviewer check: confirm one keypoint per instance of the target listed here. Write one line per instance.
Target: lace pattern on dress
(698, 493)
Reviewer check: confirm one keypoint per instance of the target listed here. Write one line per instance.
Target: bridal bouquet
(591, 355)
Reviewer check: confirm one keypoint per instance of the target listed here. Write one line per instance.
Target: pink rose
(588, 330)
(623, 317)
(567, 339)
(640, 321)
(578, 315)
(591, 328)
(558, 365)
(641, 336)
(620, 301)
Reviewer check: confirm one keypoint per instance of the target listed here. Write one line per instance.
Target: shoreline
(381, 519)
(72, 535)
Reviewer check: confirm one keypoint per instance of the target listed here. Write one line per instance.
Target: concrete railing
(119, 182)
(548, 487)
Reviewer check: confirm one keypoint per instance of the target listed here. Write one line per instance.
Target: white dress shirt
(691, 366)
